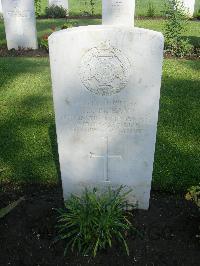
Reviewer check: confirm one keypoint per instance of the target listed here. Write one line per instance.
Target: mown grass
(28, 151)
(44, 26)
(81, 6)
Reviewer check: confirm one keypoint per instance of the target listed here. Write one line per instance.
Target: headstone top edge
(104, 27)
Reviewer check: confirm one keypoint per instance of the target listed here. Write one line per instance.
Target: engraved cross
(106, 159)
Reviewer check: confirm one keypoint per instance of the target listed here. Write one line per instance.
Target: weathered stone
(62, 3)
(118, 12)
(106, 89)
(20, 24)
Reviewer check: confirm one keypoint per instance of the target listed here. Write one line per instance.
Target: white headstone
(1, 11)
(63, 3)
(189, 7)
(118, 12)
(20, 24)
(106, 96)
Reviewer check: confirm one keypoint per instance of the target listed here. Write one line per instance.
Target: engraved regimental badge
(104, 70)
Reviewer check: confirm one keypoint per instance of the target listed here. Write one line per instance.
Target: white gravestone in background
(1, 11)
(106, 96)
(118, 12)
(63, 3)
(189, 7)
(20, 24)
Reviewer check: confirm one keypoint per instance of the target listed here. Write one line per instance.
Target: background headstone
(1, 8)
(106, 89)
(20, 24)
(63, 3)
(189, 7)
(115, 12)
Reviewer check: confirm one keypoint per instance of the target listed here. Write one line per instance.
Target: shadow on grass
(26, 114)
(177, 156)
(11, 68)
(54, 147)
(193, 40)
(28, 147)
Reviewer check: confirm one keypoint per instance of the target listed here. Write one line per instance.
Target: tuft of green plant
(68, 24)
(56, 12)
(37, 7)
(150, 9)
(44, 39)
(194, 195)
(175, 25)
(93, 221)
(44, 42)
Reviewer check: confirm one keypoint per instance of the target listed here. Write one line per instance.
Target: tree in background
(176, 22)
(37, 8)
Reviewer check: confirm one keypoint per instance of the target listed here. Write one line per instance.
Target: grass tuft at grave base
(28, 149)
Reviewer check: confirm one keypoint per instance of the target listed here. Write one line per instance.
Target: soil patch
(22, 52)
(44, 53)
(167, 234)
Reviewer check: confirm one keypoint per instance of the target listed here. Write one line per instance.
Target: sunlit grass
(44, 26)
(78, 6)
(28, 151)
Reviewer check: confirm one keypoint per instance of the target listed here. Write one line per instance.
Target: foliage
(92, 4)
(197, 15)
(56, 12)
(150, 9)
(10, 207)
(94, 220)
(44, 39)
(68, 24)
(194, 195)
(174, 27)
(44, 42)
(38, 7)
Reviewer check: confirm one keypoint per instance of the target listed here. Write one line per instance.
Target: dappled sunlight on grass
(28, 149)
(177, 161)
(26, 115)
(44, 27)
(76, 7)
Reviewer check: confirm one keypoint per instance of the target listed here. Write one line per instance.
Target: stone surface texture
(106, 89)
(115, 12)
(20, 24)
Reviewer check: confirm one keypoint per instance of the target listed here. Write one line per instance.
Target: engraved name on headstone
(106, 98)
(118, 12)
(20, 24)
(62, 3)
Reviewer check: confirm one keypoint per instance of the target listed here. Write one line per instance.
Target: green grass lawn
(80, 6)
(43, 26)
(28, 151)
